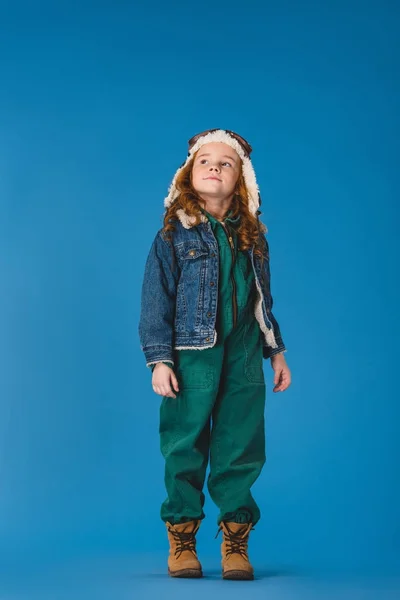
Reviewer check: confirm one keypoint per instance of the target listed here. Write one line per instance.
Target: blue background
(97, 102)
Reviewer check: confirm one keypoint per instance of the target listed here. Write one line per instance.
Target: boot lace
(185, 540)
(236, 542)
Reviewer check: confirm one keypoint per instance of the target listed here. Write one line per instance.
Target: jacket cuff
(268, 351)
(157, 353)
(152, 365)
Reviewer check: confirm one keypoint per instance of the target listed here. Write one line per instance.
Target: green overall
(218, 413)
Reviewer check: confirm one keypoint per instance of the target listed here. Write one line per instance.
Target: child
(206, 324)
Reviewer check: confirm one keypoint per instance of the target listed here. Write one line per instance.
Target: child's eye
(224, 163)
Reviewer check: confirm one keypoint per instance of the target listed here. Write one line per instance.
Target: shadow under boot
(182, 559)
(235, 561)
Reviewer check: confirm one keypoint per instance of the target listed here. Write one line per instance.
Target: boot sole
(236, 574)
(192, 573)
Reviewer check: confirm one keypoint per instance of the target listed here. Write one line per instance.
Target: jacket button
(207, 339)
(191, 252)
(212, 253)
(208, 314)
(211, 283)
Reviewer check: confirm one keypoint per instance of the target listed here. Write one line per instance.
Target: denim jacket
(180, 292)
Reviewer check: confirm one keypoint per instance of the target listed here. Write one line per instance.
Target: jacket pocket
(191, 256)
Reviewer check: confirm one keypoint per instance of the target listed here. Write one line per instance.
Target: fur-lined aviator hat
(243, 148)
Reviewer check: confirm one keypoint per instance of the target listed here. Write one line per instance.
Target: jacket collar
(234, 221)
(188, 221)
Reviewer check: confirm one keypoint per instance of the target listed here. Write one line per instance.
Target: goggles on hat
(244, 144)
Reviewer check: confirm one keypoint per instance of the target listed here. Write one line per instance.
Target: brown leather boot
(182, 559)
(235, 561)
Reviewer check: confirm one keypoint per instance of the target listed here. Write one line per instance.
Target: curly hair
(249, 231)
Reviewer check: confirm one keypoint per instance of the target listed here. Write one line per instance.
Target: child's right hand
(163, 378)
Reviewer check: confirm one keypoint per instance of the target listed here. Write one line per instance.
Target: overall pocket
(253, 362)
(244, 263)
(190, 378)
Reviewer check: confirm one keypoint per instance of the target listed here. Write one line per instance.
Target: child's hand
(163, 377)
(282, 377)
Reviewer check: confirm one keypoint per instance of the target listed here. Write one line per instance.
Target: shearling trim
(247, 169)
(154, 362)
(268, 333)
(187, 220)
(198, 347)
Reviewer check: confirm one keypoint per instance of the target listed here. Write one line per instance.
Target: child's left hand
(282, 377)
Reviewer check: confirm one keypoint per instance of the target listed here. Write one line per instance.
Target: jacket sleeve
(158, 303)
(267, 350)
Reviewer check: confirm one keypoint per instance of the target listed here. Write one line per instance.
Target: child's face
(215, 160)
